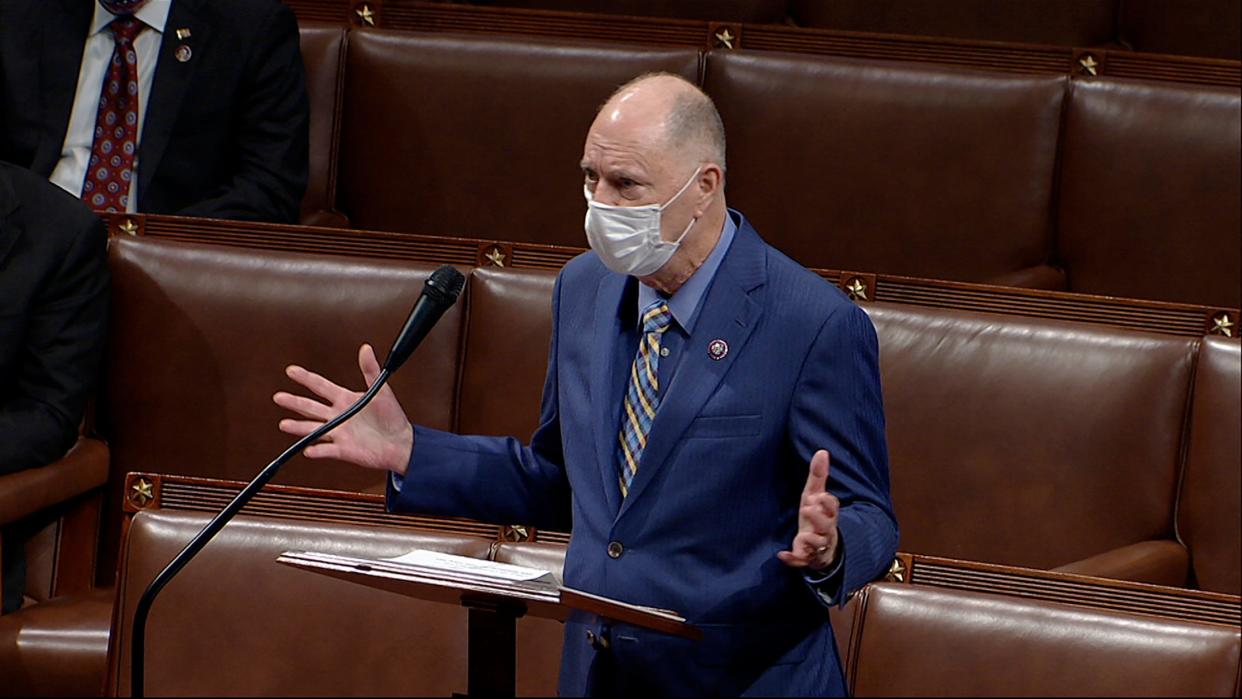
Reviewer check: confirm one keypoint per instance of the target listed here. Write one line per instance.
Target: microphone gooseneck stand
(217, 523)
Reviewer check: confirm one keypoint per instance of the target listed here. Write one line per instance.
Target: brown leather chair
(918, 641)
(506, 359)
(1209, 514)
(323, 53)
(1151, 176)
(1060, 22)
(893, 167)
(477, 137)
(57, 648)
(1035, 443)
(235, 622)
(195, 399)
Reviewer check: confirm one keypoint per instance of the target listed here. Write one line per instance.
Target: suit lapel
(729, 313)
(60, 61)
(608, 348)
(169, 86)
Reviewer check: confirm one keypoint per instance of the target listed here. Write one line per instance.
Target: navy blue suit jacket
(718, 485)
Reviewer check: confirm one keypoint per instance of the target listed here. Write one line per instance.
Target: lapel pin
(717, 349)
(183, 53)
(183, 33)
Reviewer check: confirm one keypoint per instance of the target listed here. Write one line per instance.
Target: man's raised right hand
(379, 436)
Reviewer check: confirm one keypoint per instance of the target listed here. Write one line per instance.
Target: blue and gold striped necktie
(642, 398)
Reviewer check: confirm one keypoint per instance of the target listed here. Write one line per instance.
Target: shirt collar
(154, 14)
(684, 303)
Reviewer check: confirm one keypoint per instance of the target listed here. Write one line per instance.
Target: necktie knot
(125, 28)
(656, 317)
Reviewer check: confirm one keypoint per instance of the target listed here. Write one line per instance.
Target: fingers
(299, 428)
(323, 450)
(304, 406)
(817, 478)
(821, 514)
(806, 547)
(319, 385)
(369, 364)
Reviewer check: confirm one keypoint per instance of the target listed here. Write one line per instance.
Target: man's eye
(625, 183)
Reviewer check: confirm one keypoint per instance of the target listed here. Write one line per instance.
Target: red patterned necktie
(111, 167)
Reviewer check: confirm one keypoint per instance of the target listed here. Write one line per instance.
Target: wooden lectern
(494, 605)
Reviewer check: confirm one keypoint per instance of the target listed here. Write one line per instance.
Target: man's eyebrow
(616, 174)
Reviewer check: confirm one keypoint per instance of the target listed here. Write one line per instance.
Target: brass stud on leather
(896, 572)
(141, 493)
(128, 227)
(856, 289)
(1088, 65)
(1222, 324)
(495, 255)
(366, 16)
(516, 533)
(725, 38)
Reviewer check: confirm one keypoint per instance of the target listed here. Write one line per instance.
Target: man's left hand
(816, 543)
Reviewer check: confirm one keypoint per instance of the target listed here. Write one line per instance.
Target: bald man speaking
(697, 382)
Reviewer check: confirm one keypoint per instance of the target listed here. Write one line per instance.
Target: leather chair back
(323, 53)
(1209, 514)
(200, 339)
(506, 357)
(478, 137)
(1151, 176)
(1029, 442)
(918, 641)
(893, 167)
(235, 622)
(195, 363)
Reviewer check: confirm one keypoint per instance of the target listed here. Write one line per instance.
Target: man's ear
(710, 181)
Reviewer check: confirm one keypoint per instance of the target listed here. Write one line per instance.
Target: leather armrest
(1040, 277)
(84, 468)
(325, 219)
(57, 648)
(1164, 562)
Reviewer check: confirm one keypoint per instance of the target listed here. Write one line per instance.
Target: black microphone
(439, 293)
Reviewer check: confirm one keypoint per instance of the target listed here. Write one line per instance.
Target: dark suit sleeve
(272, 140)
(59, 361)
(493, 479)
(838, 406)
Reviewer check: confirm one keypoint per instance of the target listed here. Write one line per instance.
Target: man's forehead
(614, 157)
(626, 140)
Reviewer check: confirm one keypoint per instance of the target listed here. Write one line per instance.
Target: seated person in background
(53, 323)
(697, 381)
(187, 107)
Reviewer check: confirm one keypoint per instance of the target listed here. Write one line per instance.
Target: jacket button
(615, 549)
(598, 642)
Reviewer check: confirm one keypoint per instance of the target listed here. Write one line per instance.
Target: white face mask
(627, 238)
